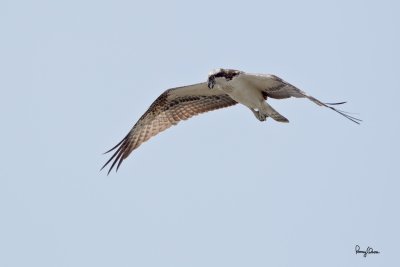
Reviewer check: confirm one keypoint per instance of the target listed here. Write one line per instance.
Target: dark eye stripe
(229, 74)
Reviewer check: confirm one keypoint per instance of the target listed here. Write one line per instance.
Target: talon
(260, 116)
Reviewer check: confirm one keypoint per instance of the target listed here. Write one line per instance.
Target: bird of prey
(224, 88)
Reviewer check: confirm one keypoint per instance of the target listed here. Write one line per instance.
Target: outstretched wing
(167, 110)
(274, 87)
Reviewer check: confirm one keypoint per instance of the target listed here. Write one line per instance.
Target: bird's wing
(275, 87)
(167, 110)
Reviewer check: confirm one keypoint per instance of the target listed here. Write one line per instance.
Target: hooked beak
(211, 83)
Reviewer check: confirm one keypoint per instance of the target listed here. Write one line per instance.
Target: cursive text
(369, 250)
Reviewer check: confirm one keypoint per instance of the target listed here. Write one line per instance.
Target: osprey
(224, 88)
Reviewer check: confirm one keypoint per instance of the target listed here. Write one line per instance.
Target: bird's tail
(271, 112)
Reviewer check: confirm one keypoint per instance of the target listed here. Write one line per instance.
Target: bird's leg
(259, 115)
(269, 111)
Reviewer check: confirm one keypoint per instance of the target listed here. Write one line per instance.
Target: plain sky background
(221, 189)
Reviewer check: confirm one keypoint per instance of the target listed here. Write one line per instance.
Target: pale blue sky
(221, 189)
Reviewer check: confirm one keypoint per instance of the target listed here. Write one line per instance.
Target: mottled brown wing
(167, 110)
(275, 87)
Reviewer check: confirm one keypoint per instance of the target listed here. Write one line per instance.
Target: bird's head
(219, 76)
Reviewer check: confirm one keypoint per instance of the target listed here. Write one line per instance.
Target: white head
(218, 76)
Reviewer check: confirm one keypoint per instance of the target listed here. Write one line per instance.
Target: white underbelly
(244, 94)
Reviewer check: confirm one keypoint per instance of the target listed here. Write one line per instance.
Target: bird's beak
(211, 83)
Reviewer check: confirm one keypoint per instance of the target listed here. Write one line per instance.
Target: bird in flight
(224, 88)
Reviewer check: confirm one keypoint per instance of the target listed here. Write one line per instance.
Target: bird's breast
(244, 94)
